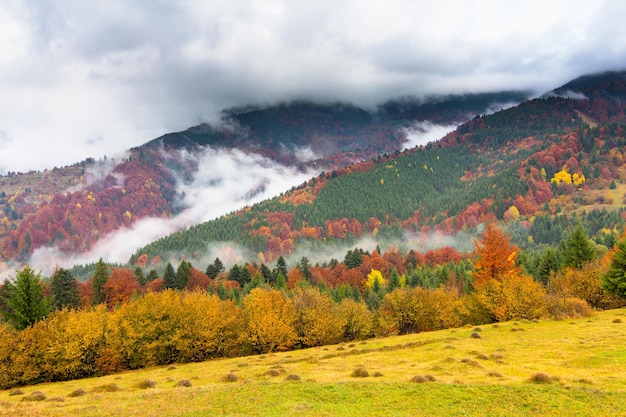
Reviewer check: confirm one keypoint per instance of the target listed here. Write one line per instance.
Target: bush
(112, 387)
(16, 392)
(571, 307)
(292, 377)
(35, 396)
(420, 379)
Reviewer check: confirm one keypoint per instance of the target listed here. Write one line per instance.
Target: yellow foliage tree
(375, 277)
(358, 319)
(317, 320)
(268, 321)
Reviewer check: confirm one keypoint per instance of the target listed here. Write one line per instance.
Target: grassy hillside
(582, 364)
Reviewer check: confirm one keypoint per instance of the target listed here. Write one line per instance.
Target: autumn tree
(65, 289)
(24, 302)
(317, 321)
(268, 321)
(120, 287)
(100, 277)
(495, 256)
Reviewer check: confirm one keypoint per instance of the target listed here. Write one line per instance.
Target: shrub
(16, 392)
(494, 374)
(292, 377)
(420, 379)
(618, 320)
(184, 383)
(563, 308)
(317, 321)
(475, 335)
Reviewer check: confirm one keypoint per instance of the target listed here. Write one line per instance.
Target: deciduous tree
(495, 256)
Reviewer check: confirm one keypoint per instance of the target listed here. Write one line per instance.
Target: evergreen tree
(64, 288)
(305, 267)
(577, 249)
(281, 266)
(152, 275)
(614, 281)
(24, 302)
(394, 280)
(215, 268)
(100, 277)
(139, 276)
(548, 264)
(266, 273)
(169, 277)
(182, 275)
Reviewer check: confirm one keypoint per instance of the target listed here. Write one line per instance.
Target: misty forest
(514, 214)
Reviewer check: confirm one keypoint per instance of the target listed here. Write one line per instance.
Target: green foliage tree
(577, 249)
(64, 288)
(169, 277)
(614, 281)
(215, 268)
(182, 275)
(25, 303)
(100, 277)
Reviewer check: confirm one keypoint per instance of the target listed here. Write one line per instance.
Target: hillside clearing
(584, 361)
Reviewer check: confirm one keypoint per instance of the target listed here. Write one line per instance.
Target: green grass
(585, 360)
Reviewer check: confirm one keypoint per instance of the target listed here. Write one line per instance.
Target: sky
(85, 79)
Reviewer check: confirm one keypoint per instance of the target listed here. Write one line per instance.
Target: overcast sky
(89, 78)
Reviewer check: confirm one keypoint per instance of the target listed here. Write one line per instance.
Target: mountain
(540, 166)
(73, 208)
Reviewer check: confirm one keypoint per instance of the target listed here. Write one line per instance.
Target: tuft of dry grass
(494, 374)
(421, 379)
(184, 383)
(146, 383)
(16, 392)
(77, 393)
(475, 335)
(618, 320)
(112, 387)
(540, 378)
(471, 362)
(230, 377)
(292, 377)
(35, 396)
(360, 372)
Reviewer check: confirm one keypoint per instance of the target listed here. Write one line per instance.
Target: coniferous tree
(152, 275)
(182, 275)
(169, 277)
(305, 267)
(394, 280)
(24, 302)
(614, 281)
(141, 278)
(64, 288)
(281, 266)
(100, 277)
(215, 268)
(578, 249)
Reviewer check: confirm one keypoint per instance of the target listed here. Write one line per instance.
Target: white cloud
(84, 79)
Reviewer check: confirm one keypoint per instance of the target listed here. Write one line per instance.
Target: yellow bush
(317, 320)
(268, 321)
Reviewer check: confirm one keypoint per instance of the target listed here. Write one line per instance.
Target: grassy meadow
(522, 368)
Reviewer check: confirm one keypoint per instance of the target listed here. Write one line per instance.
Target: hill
(73, 208)
(523, 165)
(523, 368)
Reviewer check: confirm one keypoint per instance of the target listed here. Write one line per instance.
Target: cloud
(83, 79)
(423, 132)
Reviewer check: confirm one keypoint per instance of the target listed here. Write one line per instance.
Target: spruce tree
(169, 277)
(614, 281)
(24, 302)
(182, 275)
(64, 288)
(100, 277)
(578, 249)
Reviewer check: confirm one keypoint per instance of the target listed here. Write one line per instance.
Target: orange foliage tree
(495, 256)
(120, 287)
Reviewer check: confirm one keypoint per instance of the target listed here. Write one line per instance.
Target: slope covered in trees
(73, 207)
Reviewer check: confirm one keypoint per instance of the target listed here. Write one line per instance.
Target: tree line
(120, 319)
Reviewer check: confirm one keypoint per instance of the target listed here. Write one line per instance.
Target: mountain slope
(73, 208)
(520, 164)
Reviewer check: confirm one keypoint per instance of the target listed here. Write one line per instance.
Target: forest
(60, 328)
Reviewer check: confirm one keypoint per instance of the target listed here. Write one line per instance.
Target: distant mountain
(74, 207)
(540, 166)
